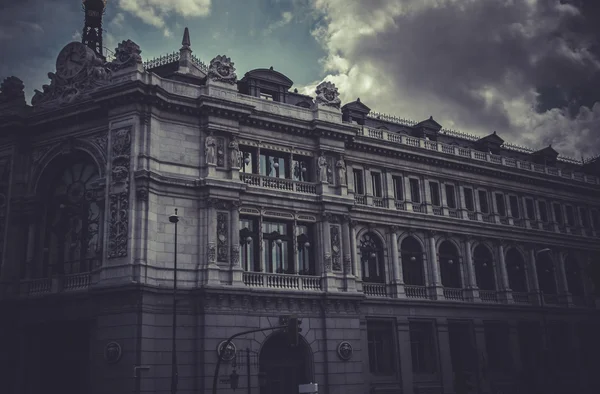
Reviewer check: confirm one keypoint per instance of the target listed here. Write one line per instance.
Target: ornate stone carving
(101, 141)
(344, 351)
(142, 193)
(335, 248)
(222, 236)
(234, 153)
(12, 89)
(127, 54)
(112, 352)
(220, 152)
(40, 152)
(328, 95)
(327, 262)
(118, 229)
(347, 265)
(212, 253)
(322, 167)
(340, 165)
(235, 255)
(210, 149)
(221, 70)
(330, 165)
(121, 151)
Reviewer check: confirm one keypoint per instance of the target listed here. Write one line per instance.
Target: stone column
(506, 291)
(390, 199)
(405, 355)
(368, 186)
(533, 277)
(482, 357)
(563, 285)
(427, 203)
(407, 194)
(397, 282)
(355, 256)
(437, 290)
(236, 268)
(347, 254)
(327, 272)
(462, 205)
(471, 277)
(212, 270)
(445, 355)
(514, 345)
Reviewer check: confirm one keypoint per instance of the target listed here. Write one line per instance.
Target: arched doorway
(285, 366)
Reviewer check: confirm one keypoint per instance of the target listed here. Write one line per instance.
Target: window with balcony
(248, 161)
(514, 207)
(449, 265)
(497, 345)
(412, 262)
(570, 215)
(398, 188)
(450, 196)
(515, 268)
(583, 215)
(574, 278)
(277, 248)
(73, 210)
(469, 200)
(500, 204)
(381, 346)
(558, 216)
(376, 184)
(371, 258)
(484, 268)
(306, 264)
(530, 209)
(301, 169)
(423, 347)
(545, 273)
(273, 164)
(434, 189)
(543, 211)
(359, 186)
(483, 201)
(415, 193)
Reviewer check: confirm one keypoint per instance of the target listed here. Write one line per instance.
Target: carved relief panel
(222, 237)
(118, 220)
(335, 248)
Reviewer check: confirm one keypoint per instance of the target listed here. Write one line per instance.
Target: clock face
(71, 60)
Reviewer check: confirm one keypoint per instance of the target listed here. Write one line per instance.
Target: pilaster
(236, 268)
(437, 291)
(212, 269)
(473, 290)
(445, 355)
(397, 282)
(350, 280)
(505, 290)
(405, 356)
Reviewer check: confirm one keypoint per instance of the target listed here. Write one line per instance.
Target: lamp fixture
(279, 241)
(247, 160)
(373, 255)
(248, 239)
(413, 258)
(450, 261)
(276, 164)
(307, 244)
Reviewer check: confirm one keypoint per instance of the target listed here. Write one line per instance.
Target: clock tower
(92, 29)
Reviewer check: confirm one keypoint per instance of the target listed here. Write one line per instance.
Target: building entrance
(285, 366)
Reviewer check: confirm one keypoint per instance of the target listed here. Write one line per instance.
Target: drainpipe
(325, 349)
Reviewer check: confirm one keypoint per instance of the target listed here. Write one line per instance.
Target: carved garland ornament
(222, 236)
(335, 248)
(119, 197)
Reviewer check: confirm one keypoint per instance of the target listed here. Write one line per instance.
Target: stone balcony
(55, 284)
(280, 184)
(404, 140)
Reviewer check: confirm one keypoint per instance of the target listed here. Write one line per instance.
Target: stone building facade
(419, 260)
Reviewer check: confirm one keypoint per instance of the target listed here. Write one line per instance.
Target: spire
(186, 38)
(92, 29)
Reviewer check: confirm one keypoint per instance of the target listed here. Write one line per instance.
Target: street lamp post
(174, 375)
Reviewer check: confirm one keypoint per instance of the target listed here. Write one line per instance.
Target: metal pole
(248, 366)
(174, 374)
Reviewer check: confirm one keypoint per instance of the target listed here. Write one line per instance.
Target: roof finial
(358, 99)
(186, 38)
(271, 68)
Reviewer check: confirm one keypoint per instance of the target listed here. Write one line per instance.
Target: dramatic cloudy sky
(529, 69)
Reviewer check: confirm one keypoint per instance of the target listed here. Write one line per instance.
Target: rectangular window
(570, 215)
(277, 248)
(450, 196)
(530, 209)
(585, 220)
(543, 211)
(514, 206)
(434, 188)
(422, 345)
(398, 189)
(497, 344)
(248, 247)
(359, 187)
(246, 162)
(380, 336)
(415, 195)
(483, 201)
(558, 216)
(301, 170)
(272, 165)
(469, 203)
(500, 204)
(376, 183)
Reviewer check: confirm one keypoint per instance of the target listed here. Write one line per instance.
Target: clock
(72, 59)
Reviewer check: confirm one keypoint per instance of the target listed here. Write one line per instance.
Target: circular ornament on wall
(112, 352)
(345, 351)
(226, 354)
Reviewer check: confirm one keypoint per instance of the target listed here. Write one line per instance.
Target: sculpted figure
(234, 151)
(210, 147)
(322, 167)
(341, 170)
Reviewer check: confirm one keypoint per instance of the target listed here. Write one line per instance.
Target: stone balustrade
(278, 183)
(282, 281)
(375, 289)
(412, 291)
(454, 294)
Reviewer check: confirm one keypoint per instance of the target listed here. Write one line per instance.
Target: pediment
(356, 106)
(492, 139)
(429, 124)
(268, 75)
(546, 152)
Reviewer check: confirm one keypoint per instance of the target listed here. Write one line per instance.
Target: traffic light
(293, 330)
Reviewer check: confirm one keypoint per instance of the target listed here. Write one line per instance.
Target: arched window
(484, 268)
(412, 262)
(545, 273)
(72, 236)
(573, 273)
(515, 268)
(449, 265)
(371, 252)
